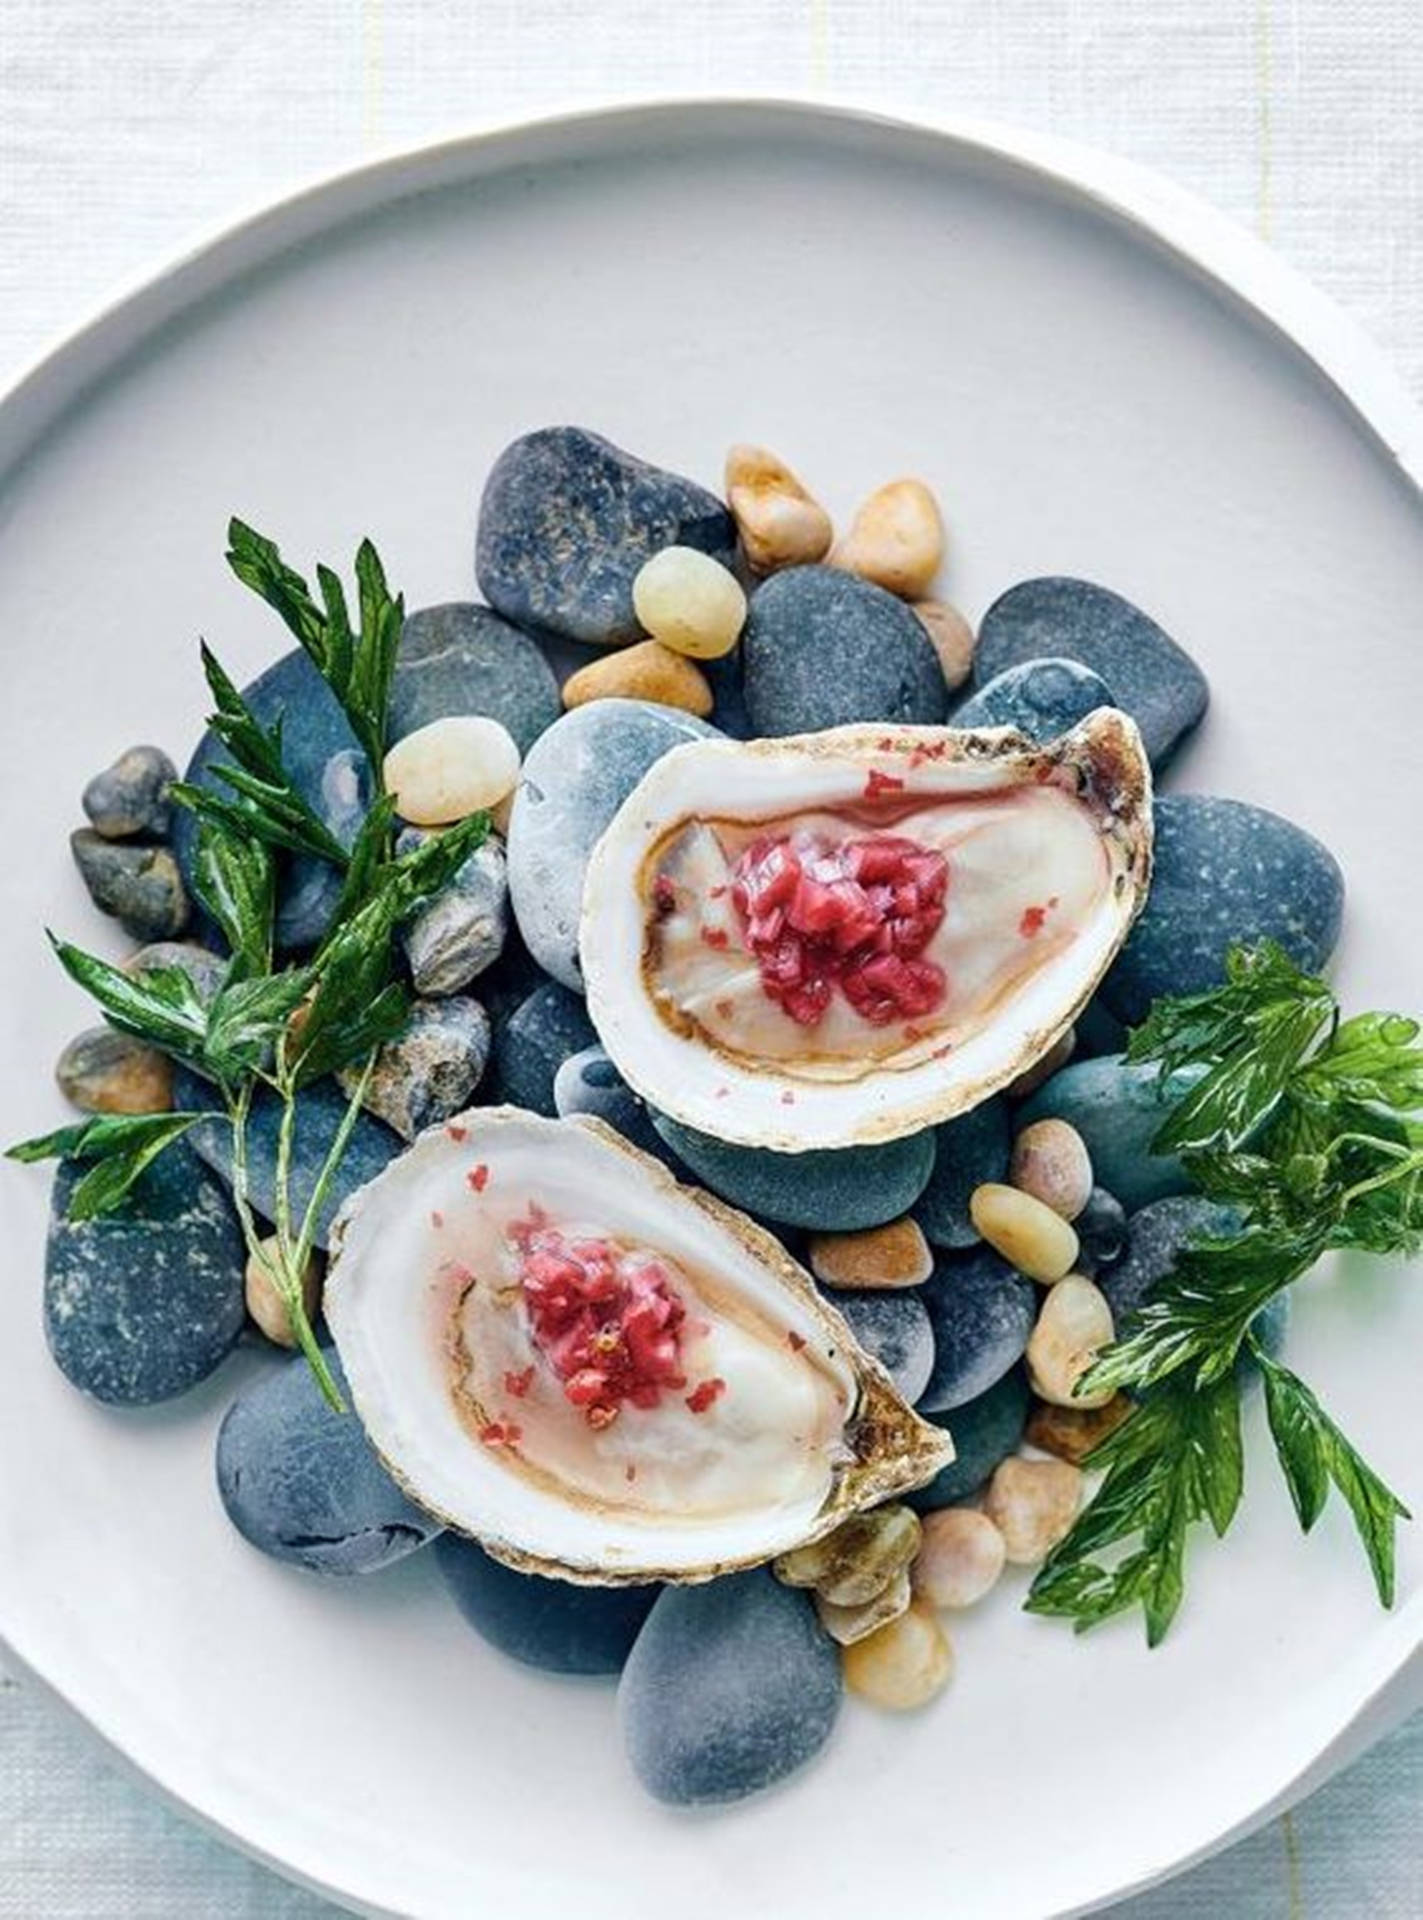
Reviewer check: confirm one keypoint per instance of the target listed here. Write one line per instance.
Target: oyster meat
(597, 1372)
(844, 937)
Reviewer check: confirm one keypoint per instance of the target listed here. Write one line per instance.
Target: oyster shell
(597, 1372)
(843, 937)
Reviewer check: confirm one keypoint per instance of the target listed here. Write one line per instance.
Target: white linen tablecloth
(127, 127)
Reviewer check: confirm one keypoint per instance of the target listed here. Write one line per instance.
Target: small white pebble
(896, 539)
(901, 1665)
(1051, 1162)
(1074, 1325)
(1033, 1503)
(960, 1557)
(690, 603)
(1030, 1236)
(451, 768)
(266, 1305)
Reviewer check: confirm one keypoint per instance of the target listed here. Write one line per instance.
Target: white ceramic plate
(1082, 364)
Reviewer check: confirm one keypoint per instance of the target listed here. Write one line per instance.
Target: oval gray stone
(550, 1624)
(1041, 698)
(140, 886)
(893, 1325)
(541, 1033)
(984, 1432)
(431, 1070)
(1118, 1108)
(982, 1313)
(131, 797)
(462, 658)
(461, 931)
(971, 1149)
(828, 1189)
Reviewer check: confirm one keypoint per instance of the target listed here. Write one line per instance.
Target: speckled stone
(1154, 680)
(829, 1189)
(822, 648)
(143, 1303)
(982, 1313)
(588, 1083)
(463, 658)
(1101, 1230)
(131, 796)
(566, 522)
(1041, 698)
(432, 1070)
(319, 1110)
(1223, 874)
(895, 1328)
(971, 1149)
(985, 1431)
(310, 887)
(459, 933)
(303, 1484)
(1118, 1109)
(535, 1040)
(1155, 1236)
(549, 1624)
(730, 1687)
(140, 886)
(575, 779)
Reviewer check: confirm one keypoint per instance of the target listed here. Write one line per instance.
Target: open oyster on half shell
(842, 937)
(597, 1372)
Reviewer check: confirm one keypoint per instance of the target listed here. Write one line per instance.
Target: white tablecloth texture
(129, 127)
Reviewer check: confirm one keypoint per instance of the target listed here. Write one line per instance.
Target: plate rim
(1386, 1677)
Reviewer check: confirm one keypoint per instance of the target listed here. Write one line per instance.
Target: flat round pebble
(451, 768)
(690, 602)
(549, 1624)
(104, 1071)
(960, 1558)
(144, 1302)
(1101, 1232)
(903, 1665)
(1156, 1235)
(730, 1687)
(1050, 1161)
(894, 1255)
(644, 671)
(972, 1149)
(984, 1430)
(829, 1189)
(1223, 874)
(462, 658)
(310, 890)
(431, 1070)
(131, 797)
(1154, 680)
(140, 886)
(461, 931)
(574, 780)
(1118, 1108)
(822, 648)
(982, 1313)
(566, 522)
(535, 1040)
(302, 1483)
(1028, 1234)
(1033, 1503)
(588, 1084)
(895, 1328)
(1041, 698)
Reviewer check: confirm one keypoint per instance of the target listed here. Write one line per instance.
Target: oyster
(597, 1372)
(842, 937)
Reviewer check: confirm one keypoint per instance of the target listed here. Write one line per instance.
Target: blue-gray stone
(1097, 1031)
(459, 933)
(822, 648)
(1154, 680)
(730, 1687)
(589, 1083)
(574, 780)
(1118, 1109)
(984, 1432)
(1101, 1230)
(982, 1313)
(303, 1483)
(319, 1110)
(533, 1044)
(431, 1070)
(1155, 1236)
(141, 886)
(1041, 698)
(728, 685)
(566, 523)
(892, 1324)
(508, 981)
(203, 967)
(549, 1624)
(971, 1149)
(131, 796)
(311, 886)
(142, 1303)
(1223, 874)
(462, 658)
(828, 1189)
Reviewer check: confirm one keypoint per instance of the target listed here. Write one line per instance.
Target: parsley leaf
(121, 1144)
(234, 876)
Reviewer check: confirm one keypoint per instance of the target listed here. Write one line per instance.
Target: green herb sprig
(1312, 1126)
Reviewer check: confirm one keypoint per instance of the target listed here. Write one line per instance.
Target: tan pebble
(1070, 1433)
(267, 1306)
(645, 671)
(1033, 1503)
(1074, 1325)
(1051, 1162)
(690, 602)
(102, 1071)
(846, 1625)
(451, 768)
(780, 524)
(1030, 1236)
(894, 1255)
(856, 1561)
(953, 640)
(901, 1665)
(959, 1559)
(1057, 1055)
(895, 540)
